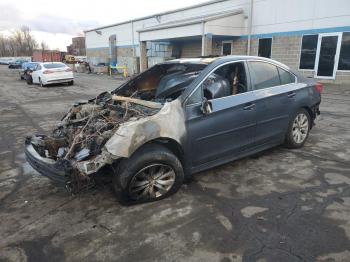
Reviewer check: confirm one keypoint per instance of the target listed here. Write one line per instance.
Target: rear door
(274, 91)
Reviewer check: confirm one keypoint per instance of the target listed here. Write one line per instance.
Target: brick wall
(97, 55)
(239, 47)
(125, 52)
(191, 49)
(286, 49)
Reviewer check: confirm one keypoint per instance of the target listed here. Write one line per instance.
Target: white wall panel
(269, 16)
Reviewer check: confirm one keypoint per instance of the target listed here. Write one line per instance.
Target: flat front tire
(29, 79)
(152, 173)
(298, 130)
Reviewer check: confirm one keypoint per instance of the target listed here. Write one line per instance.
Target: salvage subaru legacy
(177, 118)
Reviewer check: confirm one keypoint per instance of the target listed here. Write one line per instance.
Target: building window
(344, 57)
(308, 52)
(265, 47)
(226, 48)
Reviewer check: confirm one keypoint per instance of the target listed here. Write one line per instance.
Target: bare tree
(20, 43)
(43, 46)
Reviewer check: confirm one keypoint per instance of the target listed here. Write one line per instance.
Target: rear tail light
(68, 70)
(319, 88)
(48, 72)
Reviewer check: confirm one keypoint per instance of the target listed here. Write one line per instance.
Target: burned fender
(169, 122)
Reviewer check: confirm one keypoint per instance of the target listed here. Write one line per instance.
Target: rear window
(264, 75)
(286, 77)
(54, 65)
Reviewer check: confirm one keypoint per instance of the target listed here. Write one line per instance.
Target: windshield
(162, 82)
(54, 65)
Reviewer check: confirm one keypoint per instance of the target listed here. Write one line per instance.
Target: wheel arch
(311, 114)
(171, 144)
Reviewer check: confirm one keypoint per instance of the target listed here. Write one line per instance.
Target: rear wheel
(70, 83)
(299, 129)
(150, 174)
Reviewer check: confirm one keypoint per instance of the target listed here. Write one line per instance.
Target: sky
(56, 22)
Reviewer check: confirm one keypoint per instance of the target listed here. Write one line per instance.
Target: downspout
(133, 39)
(140, 69)
(203, 38)
(134, 64)
(250, 25)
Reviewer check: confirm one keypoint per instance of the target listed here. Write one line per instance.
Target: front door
(227, 130)
(327, 55)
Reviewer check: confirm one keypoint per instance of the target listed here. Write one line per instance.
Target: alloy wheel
(300, 128)
(152, 182)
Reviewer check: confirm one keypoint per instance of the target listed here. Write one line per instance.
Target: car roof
(224, 59)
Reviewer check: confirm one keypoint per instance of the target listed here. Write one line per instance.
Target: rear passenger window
(264, 75)
(286, 77)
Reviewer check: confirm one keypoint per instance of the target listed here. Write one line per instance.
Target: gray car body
(239, 125)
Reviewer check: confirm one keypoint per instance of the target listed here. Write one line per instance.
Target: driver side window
(225, 81)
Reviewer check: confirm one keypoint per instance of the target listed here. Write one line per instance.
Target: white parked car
(51, 73)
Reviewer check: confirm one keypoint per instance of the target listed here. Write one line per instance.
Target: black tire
(148, 155)
(70, 83)
(29, 80)
(290, 140)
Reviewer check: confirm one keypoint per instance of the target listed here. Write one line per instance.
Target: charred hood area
(87, 126)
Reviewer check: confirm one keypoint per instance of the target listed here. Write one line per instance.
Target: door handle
(291, 94)
(249, 106)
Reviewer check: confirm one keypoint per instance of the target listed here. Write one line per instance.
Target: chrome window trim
(240, 61)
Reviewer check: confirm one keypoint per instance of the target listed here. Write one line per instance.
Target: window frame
(342, 70)
(249, 83)
(222, 46)
(337, 54)
(257, 50)
(301, 45)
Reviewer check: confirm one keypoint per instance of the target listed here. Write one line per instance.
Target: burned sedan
(175, 119)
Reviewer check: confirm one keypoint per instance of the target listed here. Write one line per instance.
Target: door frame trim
(336, 59)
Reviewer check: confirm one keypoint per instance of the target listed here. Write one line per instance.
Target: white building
(312, 36)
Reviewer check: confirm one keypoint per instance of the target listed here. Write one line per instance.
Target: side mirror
(206, 107)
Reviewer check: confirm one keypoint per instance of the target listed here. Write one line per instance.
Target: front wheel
(70, 83)
(150, 174)
(298, 130)
(29, 79)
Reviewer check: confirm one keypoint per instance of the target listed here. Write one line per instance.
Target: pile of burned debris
(86, 127)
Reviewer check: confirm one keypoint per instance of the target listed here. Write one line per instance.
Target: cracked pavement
(278, 205)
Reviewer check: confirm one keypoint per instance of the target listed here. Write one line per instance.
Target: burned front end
(75, 149)
(95, 134)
